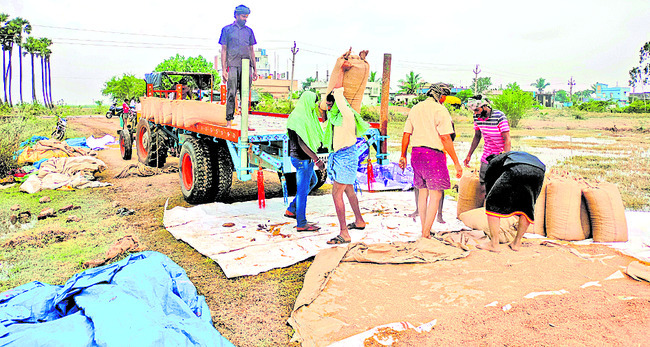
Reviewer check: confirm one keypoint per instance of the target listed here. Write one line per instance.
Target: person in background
(429, 128)
(305, 137)
(343, 126)
(513, 181)
(125, 112)
(493, 127)
(236, 42)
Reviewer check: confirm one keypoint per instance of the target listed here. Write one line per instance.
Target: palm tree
(411, 85)
(21, 26)
(373, 77)
(31, 48)
(540, 84)
(46, 80)
(4, 37)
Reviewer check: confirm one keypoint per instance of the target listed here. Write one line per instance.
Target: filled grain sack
(355, 70)
(166, 109)
(177, 113)
(146, 108)
(203, 112)
(562, 217)
(607, 212)
(469, 191)
(477, 219)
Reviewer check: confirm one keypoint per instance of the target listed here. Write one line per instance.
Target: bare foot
(440, 220)
(487, 246)
(515, 247)
(426, 236)
(413, 215)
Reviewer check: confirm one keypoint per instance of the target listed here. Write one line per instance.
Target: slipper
(308, 227)
(289, 214)
(337, 240)
(352, 226)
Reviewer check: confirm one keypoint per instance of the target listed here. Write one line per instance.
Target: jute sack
(477, 219)
(539, 226)
(469, 189)
(607, 213)
(203, 112)
(585, 219)
(177, 113)
(562, 219)
(146, 108)
(354, 79)
(166, 108)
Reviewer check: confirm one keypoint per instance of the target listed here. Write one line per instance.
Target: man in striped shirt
(492, 126)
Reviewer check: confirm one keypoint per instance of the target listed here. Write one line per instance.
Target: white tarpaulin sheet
(263, 239)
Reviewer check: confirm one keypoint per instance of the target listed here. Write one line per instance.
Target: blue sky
(513, 41)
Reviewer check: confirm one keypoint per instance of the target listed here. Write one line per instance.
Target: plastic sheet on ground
(387, 177)
(100, 143)
(74, 172)
(242, 249)
(638, 237)
(143, 300)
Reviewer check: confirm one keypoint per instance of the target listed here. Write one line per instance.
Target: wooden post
(385, 96)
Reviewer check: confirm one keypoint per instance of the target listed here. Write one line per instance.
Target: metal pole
(385, 95)
(245, 91)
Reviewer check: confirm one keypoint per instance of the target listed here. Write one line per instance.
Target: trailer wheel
(151, 150)
(196, 171)
(221, 171)
(126, 144)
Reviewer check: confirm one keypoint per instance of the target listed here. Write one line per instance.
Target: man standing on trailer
(236, 42)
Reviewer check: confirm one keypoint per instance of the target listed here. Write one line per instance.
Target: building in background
(605, 93)
(261, 61)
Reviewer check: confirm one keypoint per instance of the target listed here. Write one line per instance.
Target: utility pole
(476, 71)
(571, 84)
(294, 51)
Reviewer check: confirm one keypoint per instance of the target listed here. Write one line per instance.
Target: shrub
(268, 104)
(638, 106)
(514, 102)
(595, 106)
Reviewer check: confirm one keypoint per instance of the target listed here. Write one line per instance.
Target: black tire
(221, 171)
(109, 115)
(150, 147)
(196, 172)
(126, 145)
(58, 134)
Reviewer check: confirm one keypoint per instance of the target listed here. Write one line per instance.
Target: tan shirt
(426, 122)
(345, 134)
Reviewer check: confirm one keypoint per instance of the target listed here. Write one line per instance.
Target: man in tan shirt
(428, 128)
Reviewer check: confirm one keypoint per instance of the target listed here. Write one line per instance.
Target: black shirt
(295, 150)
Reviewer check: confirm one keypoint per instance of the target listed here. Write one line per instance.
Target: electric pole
(476, 72)
(571, 84)
(294, 51)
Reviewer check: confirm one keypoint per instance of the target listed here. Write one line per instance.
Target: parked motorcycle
(114, 110)
(59, 129)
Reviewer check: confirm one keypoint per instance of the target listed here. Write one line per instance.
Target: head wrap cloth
(242, 9)
(437, 90)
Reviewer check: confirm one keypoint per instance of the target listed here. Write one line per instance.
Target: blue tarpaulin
(143, 300)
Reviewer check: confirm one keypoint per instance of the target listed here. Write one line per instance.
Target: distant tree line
(13, 34)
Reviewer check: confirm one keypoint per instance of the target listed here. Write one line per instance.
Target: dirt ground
(253, 310)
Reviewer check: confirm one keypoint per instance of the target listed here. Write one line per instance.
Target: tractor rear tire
(221, 171)
(126, 144)
(196, 172)
(151, 149)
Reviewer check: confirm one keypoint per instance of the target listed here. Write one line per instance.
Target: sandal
(352, 226)
(338, 240)
(308, 227)
(289, 214)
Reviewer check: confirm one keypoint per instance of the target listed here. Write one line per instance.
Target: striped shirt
(491, 129)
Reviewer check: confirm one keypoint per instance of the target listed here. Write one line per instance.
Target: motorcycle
(114, 110)
(59, 129)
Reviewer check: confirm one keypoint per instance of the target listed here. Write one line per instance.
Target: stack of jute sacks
(354, 70)
(182, 113)
(568, 208)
